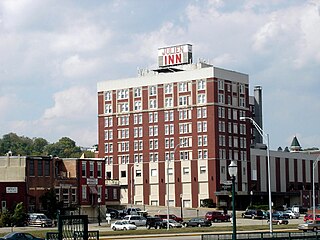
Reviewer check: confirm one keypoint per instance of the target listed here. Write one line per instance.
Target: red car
(217, 216)
(171, 216)
(309, 217)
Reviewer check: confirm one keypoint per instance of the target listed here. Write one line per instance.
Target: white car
(172, 223)
(123, 225)
(292, 214)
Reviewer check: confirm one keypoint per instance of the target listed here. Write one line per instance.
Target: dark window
(31, 168)
(123, 173)
(40, 168)
(47, 168)
(84, 170)
(108, 175)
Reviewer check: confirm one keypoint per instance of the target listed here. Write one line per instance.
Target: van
(39, 219)
(136, 220)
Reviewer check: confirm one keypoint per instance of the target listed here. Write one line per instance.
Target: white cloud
(74, 66)
(71, 104)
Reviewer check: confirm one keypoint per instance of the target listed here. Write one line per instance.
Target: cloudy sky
(53, 53)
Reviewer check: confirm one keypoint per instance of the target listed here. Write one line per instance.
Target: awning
(93, 190)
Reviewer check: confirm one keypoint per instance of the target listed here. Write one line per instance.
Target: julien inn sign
(175, 55)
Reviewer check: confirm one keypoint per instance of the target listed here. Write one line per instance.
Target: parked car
(217, 216)
(172, 223)
(136, 220)
(154, 222)
(252, 213)
(279, 220)
(292, 214)
(309, 225)
(20, 236)
(280, 214)
(39, 219)
(300, 209)
(123, 225)
(171, 216)
(309, 217)
(114, 213)
(197, 222)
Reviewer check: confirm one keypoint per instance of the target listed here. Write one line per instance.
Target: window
(220, 98)
(115, 193)
(108, 96)
(201, 84)
(123, 107)
(99, 170)
(40, 168)
(168, 102)
(153, 90)
(170, 171)
(201, 98)
(84, 169)
(123, 174)
(153, 103)
(137, 105)
(220, 84)
(138, 173)
(91, 169)
(203, 169)
(108, 122)
(31, 168)
(241, 89)
(108, 175)
(185, 170)
(153, 172)
(183, 100)
(99, 190)
(242, 102)
(183, 87)
(168, 88)
(47, 168)
(84, 192)
(184, 155)
(108, 108)
(123, 93)
(137, 92)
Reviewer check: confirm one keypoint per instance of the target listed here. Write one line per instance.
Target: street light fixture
(168, 164)
(315, 162)
(99, 215)
(131, 201)
(181, 210)
(233, 170)
(265, 136)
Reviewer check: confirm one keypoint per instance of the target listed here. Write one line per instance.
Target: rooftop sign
(175, 55)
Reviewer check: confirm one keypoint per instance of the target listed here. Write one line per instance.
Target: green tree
(64, 148)
(5, 219)
(19, 215)
(17, 145)
(38, 146)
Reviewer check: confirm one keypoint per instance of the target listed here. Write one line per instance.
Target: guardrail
(259, 236)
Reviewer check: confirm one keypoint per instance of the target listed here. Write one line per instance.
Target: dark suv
(217, 216)
(154, 222)
(254, 214)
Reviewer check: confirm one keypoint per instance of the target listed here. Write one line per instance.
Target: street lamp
(251, 193)
(315, 162)
(99, 216)
(265, 136)
(131, 201)
(175, 149)
(233, 170)
(181, 210)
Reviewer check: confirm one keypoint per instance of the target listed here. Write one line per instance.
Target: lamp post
(315, 162)
(181, 210)
(251, 193)
(174, 150)
(265, 136)
(233, 170)
(131, 201)
(99, 216)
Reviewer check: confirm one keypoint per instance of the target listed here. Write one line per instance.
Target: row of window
(232, 127)
(182, 87)
(43, 168)
(168, 89)
(92, 172)
(154, 172)
(233, 154)
(234, 101)
(184, 114)
(123, 107)
(233, 141)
